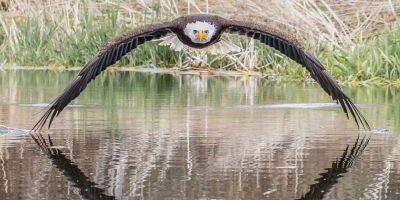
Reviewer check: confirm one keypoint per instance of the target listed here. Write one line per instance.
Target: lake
(160, 136)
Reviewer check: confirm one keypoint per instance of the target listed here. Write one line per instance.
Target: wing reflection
(339, 167)
(87, 188)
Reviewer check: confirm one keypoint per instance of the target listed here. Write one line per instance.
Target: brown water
(152, 136)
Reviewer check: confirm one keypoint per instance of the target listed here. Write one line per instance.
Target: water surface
(153, 136)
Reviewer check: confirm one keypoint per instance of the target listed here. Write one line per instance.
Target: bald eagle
(200, 31)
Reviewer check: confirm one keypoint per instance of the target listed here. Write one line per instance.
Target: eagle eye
(206, 31)
(194, 31)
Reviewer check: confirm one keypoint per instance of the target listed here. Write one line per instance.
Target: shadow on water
(330, 177)
(87, 188)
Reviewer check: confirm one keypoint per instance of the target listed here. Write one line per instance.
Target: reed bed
(358, 40)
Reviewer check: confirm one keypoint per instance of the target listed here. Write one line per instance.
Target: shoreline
(205, 73)
(175, 71)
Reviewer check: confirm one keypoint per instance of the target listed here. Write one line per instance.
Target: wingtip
(43, 120)
(349, 107)
(357, 115)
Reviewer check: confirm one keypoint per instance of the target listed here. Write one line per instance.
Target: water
(152, 136)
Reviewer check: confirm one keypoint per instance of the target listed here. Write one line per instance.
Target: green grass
(49, 40)
(374, 60)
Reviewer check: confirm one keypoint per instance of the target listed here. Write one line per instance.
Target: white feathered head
(200, 32)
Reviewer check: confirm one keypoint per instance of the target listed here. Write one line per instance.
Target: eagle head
(200, 32)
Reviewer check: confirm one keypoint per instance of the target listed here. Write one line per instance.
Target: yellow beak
(200, 35)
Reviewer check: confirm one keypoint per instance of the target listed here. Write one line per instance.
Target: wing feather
(294, 50)
(113, 51)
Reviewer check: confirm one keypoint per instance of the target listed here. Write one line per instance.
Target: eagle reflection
(87, 188)
(339, 167)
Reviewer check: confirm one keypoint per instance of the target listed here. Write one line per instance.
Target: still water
(159, 136)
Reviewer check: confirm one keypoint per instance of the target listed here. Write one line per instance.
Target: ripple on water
(272, 106)
(44, 105)
(9, 136)
(4, 130)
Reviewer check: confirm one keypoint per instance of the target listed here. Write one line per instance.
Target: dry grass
(330, 21)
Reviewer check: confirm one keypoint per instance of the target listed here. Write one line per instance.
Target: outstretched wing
(292, 49)
(108, 55)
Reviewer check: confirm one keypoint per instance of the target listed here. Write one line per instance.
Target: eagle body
(201, 31)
